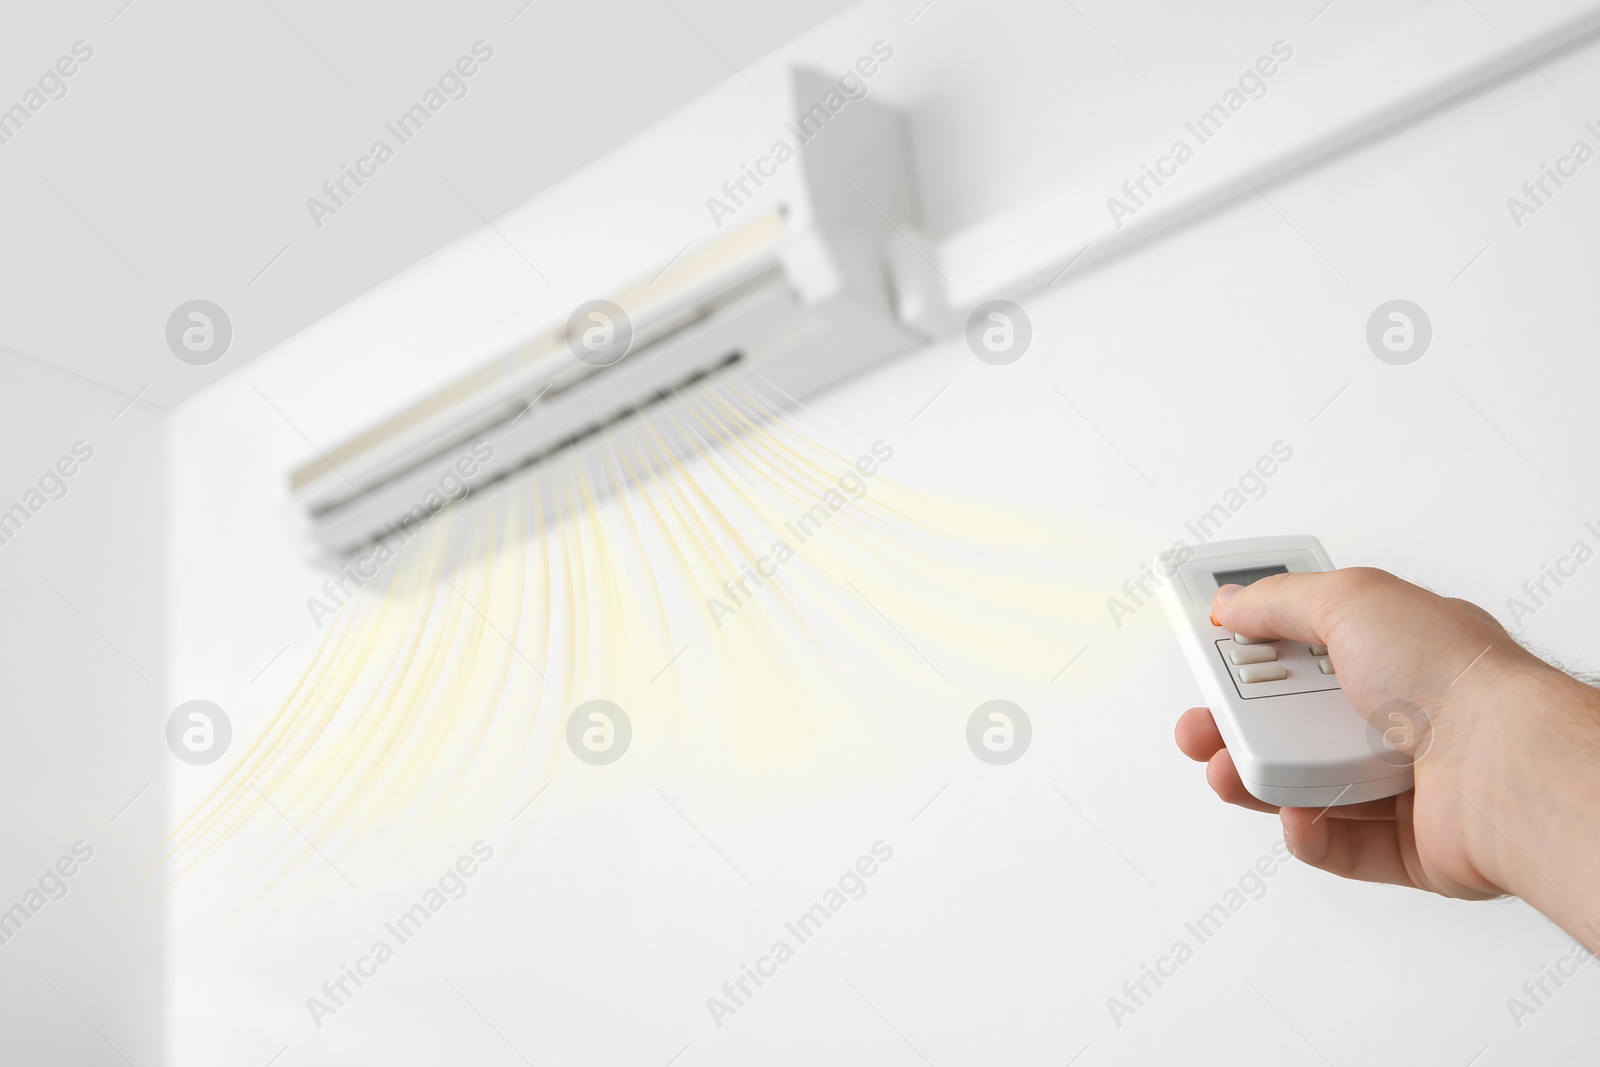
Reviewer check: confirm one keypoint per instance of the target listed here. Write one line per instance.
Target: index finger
(1281, 605)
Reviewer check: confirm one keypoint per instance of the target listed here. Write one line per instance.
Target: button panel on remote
(1292, 668)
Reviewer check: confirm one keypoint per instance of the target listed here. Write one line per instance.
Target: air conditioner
(790, 303)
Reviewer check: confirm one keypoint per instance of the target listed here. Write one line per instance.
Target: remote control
(1295, 739)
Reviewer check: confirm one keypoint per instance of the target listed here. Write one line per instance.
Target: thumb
(1281, 605)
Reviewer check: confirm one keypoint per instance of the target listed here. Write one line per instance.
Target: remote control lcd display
(1247, 575)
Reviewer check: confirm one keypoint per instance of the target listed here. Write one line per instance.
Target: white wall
(84, 584)
(1008, 919)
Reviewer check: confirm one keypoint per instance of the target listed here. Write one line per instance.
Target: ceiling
(177, 160)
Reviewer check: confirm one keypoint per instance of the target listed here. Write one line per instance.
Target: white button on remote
(1325, 665)
(1319, 650)
(1262, 672)
(1241, 639)
(1253, 654)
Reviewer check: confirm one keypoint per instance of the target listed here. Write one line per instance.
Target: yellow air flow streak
(440, 694)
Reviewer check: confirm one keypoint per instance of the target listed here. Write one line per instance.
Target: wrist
(1530, 773)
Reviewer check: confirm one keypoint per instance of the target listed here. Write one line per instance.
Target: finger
(1223, 777)
(1367, 809)
(1198, 738)
(1281, 605)
(1196, 734)
(1365, 850)
(1436, 880)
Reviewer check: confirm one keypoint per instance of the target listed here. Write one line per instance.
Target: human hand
(1487, 719)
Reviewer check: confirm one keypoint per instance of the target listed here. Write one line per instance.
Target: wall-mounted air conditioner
(791, 302)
